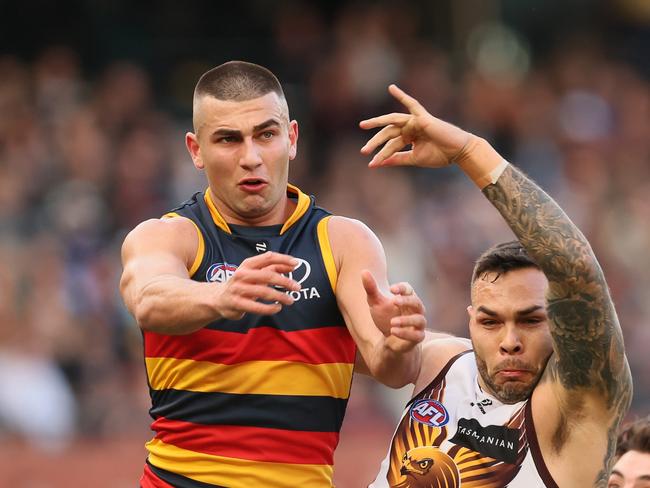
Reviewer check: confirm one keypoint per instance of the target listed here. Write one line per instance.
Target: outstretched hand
(258, 286)
(433, 142)
(399, 316)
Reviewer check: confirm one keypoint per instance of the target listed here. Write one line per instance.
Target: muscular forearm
(173, 305)
(395, 369)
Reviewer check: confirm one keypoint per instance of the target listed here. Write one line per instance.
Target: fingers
(408, 101)
(270, 258)
(397, 119)
(389, 132)
(402, 288)
(409, 334)
(370, 285)
(386, 152)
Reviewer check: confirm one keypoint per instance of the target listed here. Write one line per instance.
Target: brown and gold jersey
(453, 434)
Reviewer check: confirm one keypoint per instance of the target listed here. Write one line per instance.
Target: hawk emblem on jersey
(428, 467)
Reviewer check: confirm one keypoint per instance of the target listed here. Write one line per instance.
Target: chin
(514, 392)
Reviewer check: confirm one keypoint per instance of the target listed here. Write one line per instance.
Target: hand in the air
(434, 142)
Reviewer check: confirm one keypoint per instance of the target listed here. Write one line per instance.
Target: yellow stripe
(301, 207)
(216, 216)
(261, 377)
(234, 472)
(326, 251)
(200, 250)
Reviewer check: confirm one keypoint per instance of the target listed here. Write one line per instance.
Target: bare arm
(386, 326)
(588, 373)
(589, 353)
(157, 289)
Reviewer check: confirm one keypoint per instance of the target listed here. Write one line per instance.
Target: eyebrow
(525, 311)
(237, 133)
(266, 124)
(644, 477)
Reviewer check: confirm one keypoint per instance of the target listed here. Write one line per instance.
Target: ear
(293, 139)
(470, 311)
(192, 144)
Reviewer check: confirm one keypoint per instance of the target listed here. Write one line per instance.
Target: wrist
(480, 161)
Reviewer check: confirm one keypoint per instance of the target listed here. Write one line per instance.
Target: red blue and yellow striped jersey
(258, 401)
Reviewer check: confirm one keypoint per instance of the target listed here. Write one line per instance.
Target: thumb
(370, 285)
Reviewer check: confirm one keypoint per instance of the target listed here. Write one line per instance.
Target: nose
(510, 341)
(251, 156)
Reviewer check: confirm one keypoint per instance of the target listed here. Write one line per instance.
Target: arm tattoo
(583, 323)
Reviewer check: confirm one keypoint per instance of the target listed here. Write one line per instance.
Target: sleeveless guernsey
(453, 434)
(256, 402)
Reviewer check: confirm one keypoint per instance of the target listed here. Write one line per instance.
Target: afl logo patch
(430, 412)
(220, 272)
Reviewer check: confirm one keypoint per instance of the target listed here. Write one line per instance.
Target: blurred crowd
(84, 158)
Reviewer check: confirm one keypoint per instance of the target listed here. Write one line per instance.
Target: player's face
(631, 470)
(510, 333)
(245, 148)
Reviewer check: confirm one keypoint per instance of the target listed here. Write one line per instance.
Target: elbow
(146, 313)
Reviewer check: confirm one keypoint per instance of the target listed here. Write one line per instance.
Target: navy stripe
(243, 326)
(301, 413)
(179, 481)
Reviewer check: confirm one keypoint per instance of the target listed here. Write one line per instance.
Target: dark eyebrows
(529, 310)
(266, 124)
(227, 133)
(486, 311)
(237, 133)
(520, 313)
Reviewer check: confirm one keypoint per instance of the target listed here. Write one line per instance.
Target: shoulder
(346, 233)
(160, 228)
(437, 350)
(177, 235)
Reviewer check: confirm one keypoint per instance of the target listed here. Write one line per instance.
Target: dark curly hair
(502, 258)
(634, 437)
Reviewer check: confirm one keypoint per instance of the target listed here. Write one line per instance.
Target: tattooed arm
(587, 384)
(589, 359)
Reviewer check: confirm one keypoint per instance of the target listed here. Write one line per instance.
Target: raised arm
(157, 289)
(589, 374)
(589, 361)
(387, 323)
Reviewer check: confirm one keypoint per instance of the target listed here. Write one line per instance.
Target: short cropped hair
(634, 437)
(500, 259)
(237, 81)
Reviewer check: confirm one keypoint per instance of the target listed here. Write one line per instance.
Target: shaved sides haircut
(237, 81)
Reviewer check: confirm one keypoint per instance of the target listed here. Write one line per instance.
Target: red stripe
(252, 443)
(150, 480)
(314, 346)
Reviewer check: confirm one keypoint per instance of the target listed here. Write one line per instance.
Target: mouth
(513, 374)
(252, 185)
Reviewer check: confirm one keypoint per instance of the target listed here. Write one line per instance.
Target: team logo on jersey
(262, 246)
(220, 272)
(300, 274)
(430, 412)
(428, 467)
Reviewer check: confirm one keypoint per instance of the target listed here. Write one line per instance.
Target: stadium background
(95, 99)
